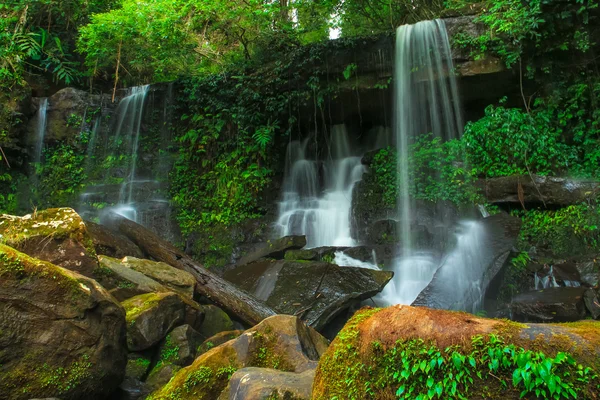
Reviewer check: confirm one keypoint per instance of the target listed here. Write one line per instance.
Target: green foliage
(571, 229)
(423, 371)
(436, 172)
(36, 37)
(61, 176)
(510, 141)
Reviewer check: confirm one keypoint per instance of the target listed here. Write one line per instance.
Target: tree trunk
(236, 301)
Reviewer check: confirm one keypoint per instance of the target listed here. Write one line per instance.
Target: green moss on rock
(408, 352)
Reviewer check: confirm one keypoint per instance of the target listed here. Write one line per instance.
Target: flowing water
(127, 164)
(317, 196)
(426, 101)
(41, 130)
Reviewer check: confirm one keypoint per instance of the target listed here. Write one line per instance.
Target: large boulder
(480, 254)
(56, 235)
(67, 109)
(61, 334)
(177, 280)
(317, 291)
(560, 304)
(180, 346)
(111, 243)
(275, 248)
(124, 282)
(266, 384)
(280, 342)
(551, 190)
(150, 317)
(417, 352)
(215, 321)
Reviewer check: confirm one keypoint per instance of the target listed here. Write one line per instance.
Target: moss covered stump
(420, 353)
(61, 334)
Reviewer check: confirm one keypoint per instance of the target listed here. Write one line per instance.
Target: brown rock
(282, 342)
(374, 339)
(56, 235)
(265, 384)
(150, 317)
(111, 243)
(53, 319)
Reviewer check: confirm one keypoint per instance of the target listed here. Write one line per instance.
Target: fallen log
(236, 301)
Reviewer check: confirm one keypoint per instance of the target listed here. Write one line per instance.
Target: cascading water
(426, 101)
(128, 162)
(130, 113)
(41, 130)
(320, 207)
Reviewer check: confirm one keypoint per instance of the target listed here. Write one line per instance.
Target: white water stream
(318, 195)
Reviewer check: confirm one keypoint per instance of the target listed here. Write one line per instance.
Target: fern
(263, 136)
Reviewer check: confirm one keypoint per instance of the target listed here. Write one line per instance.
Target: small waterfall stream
(121, 178)
(317, 195)
(41, 130)
(427, 101)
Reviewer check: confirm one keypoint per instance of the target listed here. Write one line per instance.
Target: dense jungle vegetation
(250, 68)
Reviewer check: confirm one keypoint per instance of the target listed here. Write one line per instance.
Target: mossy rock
(180, 346)
(124, 282)
(280, 342)
(268, 384)
(177, 280)
(138, 366)
(56, 235)
(61, 334)
(378, 350)
(215, 321)
(217, 340)
(150, 317)
(307, 255)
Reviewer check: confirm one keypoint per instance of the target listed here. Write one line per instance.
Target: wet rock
(550, 190)
(123, 282)
(56, 235)
(110, 243)
(280, 342)
(592, 302)
(274, 249)
(302, 255)
(177, 280)
(375, 339)
(560, 304)
(138, 366)
(589, 272)
(150, 317)
(316, 291)
(266, 384)
(215, 321)
(160, 375)
(66, 109)
(55, 319)
(218, 340)
(180, 346)
(383, 231)
(496, 235)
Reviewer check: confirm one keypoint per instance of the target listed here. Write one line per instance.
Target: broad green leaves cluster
(575, 228)
(437, 172)
(425, 372)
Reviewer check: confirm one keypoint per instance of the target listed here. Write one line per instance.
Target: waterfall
(425, 101)
(130, 112)
(317, 196)
(41, 130)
